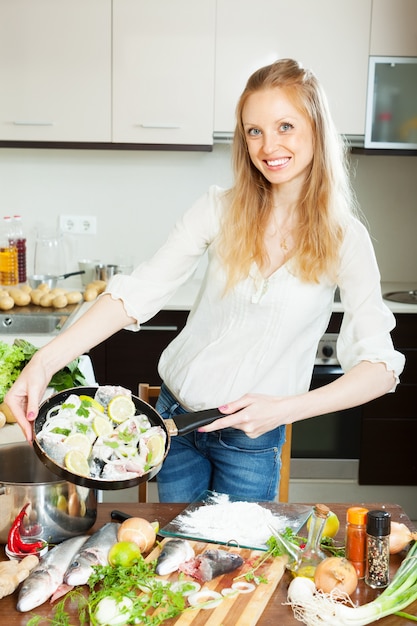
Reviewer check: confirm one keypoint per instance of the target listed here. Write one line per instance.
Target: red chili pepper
(14, 539)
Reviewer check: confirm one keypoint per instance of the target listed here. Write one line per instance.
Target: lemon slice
(77, 463)
(79, 442)
(93, 403)
(155, 526)
(102, 426)
(120, 408)
(156, 447)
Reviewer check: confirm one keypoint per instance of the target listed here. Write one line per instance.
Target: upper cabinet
(55, 70)
(394, 28)
(163, 71)
(331, 38)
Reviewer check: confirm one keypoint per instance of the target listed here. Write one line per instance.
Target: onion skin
(336, 572)
(138, 530)
(400, 537)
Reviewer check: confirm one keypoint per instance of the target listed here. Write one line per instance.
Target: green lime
(124, 553)
(120, 408)
(76, 462)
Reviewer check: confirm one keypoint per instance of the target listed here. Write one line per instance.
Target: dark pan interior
(85, 481)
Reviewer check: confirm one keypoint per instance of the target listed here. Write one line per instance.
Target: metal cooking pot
(179, 425)
(58, 509)
(49, 279)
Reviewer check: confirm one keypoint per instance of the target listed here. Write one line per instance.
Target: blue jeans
(226, 461)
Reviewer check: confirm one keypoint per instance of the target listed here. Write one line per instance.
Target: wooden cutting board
(243, 609)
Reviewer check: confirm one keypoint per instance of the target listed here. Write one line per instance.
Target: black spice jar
(378, 528)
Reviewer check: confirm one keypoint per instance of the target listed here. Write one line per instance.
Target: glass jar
(355, 540)
(312, 554)
(378, 528)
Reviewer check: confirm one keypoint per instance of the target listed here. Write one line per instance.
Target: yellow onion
(400, 537)
(336, 572)
(139, 531)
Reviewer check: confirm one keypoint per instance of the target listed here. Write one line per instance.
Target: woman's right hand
(26, 394)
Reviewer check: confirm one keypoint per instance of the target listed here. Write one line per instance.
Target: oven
(319, 442)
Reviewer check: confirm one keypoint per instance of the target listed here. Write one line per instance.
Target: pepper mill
(378, 528)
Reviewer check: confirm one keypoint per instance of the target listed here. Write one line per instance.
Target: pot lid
(406, 297)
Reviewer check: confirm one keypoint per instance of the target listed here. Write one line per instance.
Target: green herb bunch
(13, 359)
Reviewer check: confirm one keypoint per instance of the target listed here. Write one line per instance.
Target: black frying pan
(180, 425)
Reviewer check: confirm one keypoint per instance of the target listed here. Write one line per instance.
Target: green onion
(316, 608)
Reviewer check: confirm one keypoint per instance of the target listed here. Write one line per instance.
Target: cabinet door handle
(161, 126)
(30, 123)
(164, 328)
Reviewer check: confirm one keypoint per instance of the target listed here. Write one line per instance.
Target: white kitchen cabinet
(55, 70)
(163, 71)
(394, 28)
(331, 38)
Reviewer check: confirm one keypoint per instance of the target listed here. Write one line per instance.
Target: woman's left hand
(255, 414)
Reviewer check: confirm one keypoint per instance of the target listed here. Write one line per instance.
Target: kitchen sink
(16, 324)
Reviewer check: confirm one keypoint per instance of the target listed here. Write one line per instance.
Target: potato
(44, 287)
(36, 295)
(99, 285)
(6, 303)
(90, 294)
(74, 297)
(21, 298)
(59, 302)
(46, 299)
(3, 293)
(58, 291)
(26, 288)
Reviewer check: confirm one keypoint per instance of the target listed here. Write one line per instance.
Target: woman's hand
(255, 414)
(26, 394)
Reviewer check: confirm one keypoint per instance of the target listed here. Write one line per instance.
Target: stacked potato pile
(57, 298)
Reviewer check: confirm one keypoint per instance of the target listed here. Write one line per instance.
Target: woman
(278, 242)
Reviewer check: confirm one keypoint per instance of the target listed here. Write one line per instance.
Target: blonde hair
(326, 200)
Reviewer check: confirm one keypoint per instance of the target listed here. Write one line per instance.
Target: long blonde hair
(326, 200)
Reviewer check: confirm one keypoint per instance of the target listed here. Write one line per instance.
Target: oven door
(331, 436)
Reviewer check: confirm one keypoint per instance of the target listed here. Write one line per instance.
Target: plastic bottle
(312, 554)
(20, 242)
(355, 542)
(8, 255)
(378, 529)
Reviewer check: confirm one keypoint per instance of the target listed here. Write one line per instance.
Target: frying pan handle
(119, 516)
(185, 423)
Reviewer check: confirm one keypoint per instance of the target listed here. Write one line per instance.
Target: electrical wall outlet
(78, 224)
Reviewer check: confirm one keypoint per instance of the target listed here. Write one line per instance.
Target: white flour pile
(244, 523)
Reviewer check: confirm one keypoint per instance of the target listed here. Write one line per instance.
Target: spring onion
(316, 608)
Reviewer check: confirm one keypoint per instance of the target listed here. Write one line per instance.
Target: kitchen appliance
(391, 110)
(58, 509)
(49, 279)
(318, 443)
(179, 425)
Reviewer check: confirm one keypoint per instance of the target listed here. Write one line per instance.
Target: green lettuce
(13, 359)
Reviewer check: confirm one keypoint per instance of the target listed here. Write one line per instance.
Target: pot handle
(71, 274)
(185, 423)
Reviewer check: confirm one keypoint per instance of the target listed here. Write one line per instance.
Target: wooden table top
(275, 613)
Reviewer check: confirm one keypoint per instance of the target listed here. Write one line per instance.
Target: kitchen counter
(276, 611)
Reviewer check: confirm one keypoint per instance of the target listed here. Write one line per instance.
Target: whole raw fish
(44, 580)
(210, 564)
(174, 552)
(93, 552)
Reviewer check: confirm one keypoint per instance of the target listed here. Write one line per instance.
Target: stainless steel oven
(330, 437)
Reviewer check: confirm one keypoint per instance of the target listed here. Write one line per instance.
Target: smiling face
(279, 136)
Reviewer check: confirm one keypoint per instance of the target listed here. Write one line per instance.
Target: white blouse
(262, 336)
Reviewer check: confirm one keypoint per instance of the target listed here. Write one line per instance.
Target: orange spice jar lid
(356, 515)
